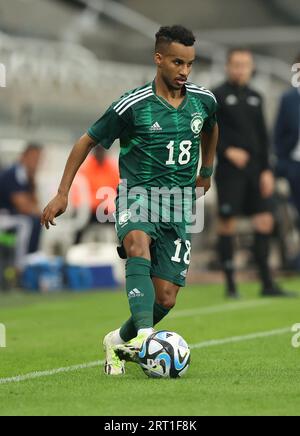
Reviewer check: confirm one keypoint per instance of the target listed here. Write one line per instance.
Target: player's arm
(209, 144)
(59, 204)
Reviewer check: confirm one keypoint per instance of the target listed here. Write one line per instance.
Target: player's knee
(167, 299)
(136, 249)
(227, 226)
(137, 244)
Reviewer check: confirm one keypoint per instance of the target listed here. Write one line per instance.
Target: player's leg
(135, 237)
(139, 285)
(165, 298)
(263, 223)
(170, 263)
(140, 292)
(232, 195)
(226, 232)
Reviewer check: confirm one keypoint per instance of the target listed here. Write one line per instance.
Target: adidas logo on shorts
(184, 273)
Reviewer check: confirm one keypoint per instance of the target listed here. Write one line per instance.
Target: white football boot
(113, 364)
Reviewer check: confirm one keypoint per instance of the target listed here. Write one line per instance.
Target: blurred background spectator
(19, 206)
(287, 146)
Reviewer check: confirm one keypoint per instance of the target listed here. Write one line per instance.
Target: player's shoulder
(201, 92)
(131, 98)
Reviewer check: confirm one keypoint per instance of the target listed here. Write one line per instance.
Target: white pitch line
(211, 343)
(39, 374)
(235, 339)
(218, 309)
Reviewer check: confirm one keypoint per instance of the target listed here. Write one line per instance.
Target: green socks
(128, 330)
(140, 291)
(159, 312)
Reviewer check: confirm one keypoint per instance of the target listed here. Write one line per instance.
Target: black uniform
(242, 125)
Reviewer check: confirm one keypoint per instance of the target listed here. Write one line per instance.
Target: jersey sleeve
(211, 120)
(110, 127)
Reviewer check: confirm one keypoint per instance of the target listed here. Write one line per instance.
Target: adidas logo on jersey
(135, 293)
(155, 128)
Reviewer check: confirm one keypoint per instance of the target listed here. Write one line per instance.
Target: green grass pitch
(243, 362)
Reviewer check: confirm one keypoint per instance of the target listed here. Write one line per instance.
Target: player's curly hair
(167, 35)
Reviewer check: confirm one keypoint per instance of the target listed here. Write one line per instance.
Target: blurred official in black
(245, 181)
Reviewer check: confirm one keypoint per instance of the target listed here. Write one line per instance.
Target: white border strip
(39, 374)
(211, 343)
(195, 91)
(235, 339)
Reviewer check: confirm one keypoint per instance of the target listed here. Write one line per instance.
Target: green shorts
(170, 249)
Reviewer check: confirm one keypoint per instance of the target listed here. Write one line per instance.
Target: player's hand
(238, 157)
(267, 184)
(203, 184)
(55, 208)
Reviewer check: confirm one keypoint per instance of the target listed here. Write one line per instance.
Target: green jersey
(160, 145)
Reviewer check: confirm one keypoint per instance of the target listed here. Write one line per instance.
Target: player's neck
(171, 95)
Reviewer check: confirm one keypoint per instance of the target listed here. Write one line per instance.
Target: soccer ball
(165, 354)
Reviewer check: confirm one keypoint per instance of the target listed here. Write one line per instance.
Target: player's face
(175, 64)
(240, 68)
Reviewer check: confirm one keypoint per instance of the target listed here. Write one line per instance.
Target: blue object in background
(84, 278)
(92, 266)
(78, 278)
(45, 275)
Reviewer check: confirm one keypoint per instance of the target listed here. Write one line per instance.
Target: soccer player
(160, 126)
